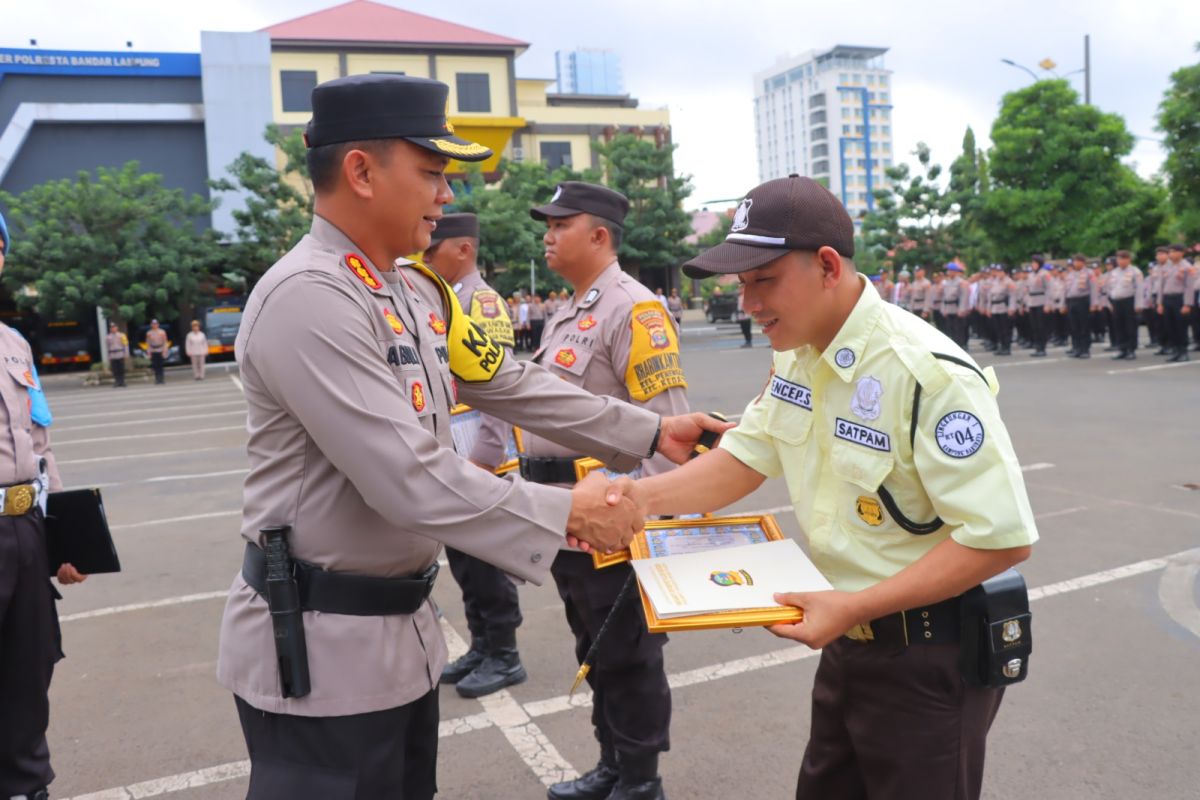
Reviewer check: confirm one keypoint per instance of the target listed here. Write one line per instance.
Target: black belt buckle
(429, 575)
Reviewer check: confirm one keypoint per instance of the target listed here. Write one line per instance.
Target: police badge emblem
(733, 578)
(1011, 631)
(868, 510)
(656, 325)
(865, 403)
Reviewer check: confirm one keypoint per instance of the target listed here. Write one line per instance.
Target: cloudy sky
(698, 56)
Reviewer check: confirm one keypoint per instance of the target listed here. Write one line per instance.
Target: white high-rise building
(827, 114)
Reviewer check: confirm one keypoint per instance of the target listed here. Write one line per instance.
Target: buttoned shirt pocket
(860, 465)
(788, 422)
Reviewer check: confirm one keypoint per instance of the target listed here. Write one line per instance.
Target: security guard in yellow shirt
(905, 484)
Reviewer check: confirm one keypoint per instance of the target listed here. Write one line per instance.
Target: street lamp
(1012, 63)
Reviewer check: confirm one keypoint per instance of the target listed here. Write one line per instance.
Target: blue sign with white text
(98, 62)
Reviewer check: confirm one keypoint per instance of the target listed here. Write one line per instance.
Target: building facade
(595, 72)
(827, 114)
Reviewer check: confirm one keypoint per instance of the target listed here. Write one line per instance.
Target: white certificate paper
(727, 579)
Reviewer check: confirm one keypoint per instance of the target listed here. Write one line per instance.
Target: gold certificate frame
(649, 542)
(582, 467)
(463, 414)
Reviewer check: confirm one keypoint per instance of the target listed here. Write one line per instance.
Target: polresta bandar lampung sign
(98, 62)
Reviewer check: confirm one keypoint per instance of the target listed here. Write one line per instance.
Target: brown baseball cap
(792, 213)
(453, 226)
(576, 197)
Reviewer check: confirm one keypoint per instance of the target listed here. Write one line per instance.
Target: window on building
(819, 134)
(871, 96)
(295, 88)
(871, 80)
(842, 78)
(820, 150)
(845, 130)
(816, 117)
(474, 91)
(883, 80)
(858, 77)
(887, 130)
(817, 101)
(555, 154)
(821, 167)
(883, 97)
(858, 129)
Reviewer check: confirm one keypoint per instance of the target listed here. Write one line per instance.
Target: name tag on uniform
(861, 434)
(792, 393)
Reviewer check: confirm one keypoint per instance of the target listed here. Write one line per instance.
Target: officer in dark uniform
(30, 642)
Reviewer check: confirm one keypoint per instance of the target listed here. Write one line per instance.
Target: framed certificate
(692, 536)
(465, 423)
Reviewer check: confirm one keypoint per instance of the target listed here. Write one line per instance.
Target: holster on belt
(997, 634)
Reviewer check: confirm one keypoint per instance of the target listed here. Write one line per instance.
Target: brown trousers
(895, 723)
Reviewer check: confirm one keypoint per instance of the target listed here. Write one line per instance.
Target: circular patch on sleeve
(959, 434)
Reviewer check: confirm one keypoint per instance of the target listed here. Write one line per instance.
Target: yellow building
(518, 118)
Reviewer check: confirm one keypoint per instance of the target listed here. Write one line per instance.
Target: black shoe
(1162, 351)
(1004, 352)
(1179, 357)
(1196, 347)
(638, 778)
(1111, 348)
(1038, 354)
(596, 784)
(501, 668)
(1131, 356)
(1120, 356)
(747, 344)
(646, 790)
(465, 664)
(1084, 354)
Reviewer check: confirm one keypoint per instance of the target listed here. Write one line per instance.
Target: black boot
(595, 784)
(638, 779)
(462, 666)
(501, 667)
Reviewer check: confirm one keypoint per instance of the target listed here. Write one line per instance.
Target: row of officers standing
(1045, 303)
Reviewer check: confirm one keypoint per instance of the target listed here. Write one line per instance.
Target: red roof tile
(367, 21)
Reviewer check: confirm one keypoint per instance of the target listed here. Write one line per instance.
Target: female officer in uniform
(905, 505)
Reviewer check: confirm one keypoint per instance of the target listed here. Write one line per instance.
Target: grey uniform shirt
(1176, 277)
(920, 295)
(1002, 296)
(1126, 282)
(1036, 290)
(25, 443)
(1081, 283)
(348, 393)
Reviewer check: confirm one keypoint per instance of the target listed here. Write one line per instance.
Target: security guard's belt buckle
(18, 500)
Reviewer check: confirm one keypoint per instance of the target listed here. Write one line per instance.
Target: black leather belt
(343, 593)
(935, 624)
(548, 469)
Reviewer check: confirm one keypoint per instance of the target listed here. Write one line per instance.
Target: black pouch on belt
(997, 635)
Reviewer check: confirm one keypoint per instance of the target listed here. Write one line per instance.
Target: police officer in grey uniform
(613, 338)
(489, 597)
(1125, 294)
(351, 359)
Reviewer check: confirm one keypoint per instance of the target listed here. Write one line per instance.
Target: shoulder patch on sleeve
(654, 364)
(474, 356)
(489, 310)
(359, 269)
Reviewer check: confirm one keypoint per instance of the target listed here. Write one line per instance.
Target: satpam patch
(654, 365)
(960, 434)
(861, 434)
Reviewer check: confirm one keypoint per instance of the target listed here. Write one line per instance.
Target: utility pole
(1087, 69)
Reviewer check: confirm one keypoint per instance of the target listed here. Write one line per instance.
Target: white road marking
(238, 383)
(522, 733)
(1034, 363)
(526, 734)
(170, 601)
(1154, 367)
(1036, 467)
(58, 417)
(135, 437)
(98, 459)
(170, 520)
(1177, 589)
(149, 423)
(91, 397)
(1061, 512)
(162, 478)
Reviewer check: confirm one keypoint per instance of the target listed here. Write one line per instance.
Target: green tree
(278, 207)
(911, 223)
(119, 240)
(1179, 121)
(967, 193)
(656, 225)
(1057, 181)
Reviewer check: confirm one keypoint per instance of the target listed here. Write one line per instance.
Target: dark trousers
(29, 646)
(536, 326)
(892, 724)
(157, 361)
(1002, 327)
(1174, 322)
(1037, 328)
(391, 753)
(1124, 325)
(631, 702)
(1079, 312)
(745, 325)
(118, 371)
(489, 597)
(1194, 316)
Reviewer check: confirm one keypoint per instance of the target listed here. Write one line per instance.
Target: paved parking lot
(1112, 456)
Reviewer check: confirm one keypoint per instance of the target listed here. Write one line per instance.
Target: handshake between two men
(606, 515)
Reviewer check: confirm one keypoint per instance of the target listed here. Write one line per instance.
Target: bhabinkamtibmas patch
(654, 364)
(491, 313)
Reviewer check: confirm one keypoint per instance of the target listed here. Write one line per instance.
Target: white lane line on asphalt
(169, 520)
(170, 601)
(1154, 367)
(99, 459)
(1060, 512)
(238, 383)
(521, 732)
(148, 423)
(554, 705)
(1177, 590)
(1036, 467)
(58, 417)
(90, 398)
(1036, 363)
(131, 438)
(163, 478)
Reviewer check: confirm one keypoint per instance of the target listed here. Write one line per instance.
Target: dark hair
(614, 230)
(1180, 248)
(1038, 259)
(1079, 257)
(1124, 254)
(325, 160)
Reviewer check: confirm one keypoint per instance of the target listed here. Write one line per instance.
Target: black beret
(452, 226)
(365, 107)
(576, 197)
